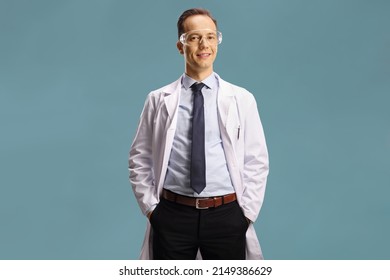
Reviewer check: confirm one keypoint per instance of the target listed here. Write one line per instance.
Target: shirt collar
(211, 81)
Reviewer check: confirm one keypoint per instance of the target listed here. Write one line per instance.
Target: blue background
(73, 79)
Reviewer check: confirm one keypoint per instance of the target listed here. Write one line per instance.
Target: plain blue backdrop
(73, 79)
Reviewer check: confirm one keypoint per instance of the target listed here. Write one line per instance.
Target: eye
(194, 38)
(211, 37)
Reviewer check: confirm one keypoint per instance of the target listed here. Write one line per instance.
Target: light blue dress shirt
(218, 180)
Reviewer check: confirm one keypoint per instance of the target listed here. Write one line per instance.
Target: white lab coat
(243, 141)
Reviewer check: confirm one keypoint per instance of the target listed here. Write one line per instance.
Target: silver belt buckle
(197, 203)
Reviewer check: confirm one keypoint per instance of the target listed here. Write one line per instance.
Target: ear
(179, 46)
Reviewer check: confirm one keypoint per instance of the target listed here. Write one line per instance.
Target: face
(199, 58)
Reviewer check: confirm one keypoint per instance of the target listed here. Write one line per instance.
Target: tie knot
(197, 87)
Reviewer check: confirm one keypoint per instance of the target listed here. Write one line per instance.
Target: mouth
(203, 55)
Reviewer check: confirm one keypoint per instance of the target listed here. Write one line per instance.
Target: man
(199, 163)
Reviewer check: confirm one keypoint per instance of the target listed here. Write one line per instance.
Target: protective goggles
(195, 37)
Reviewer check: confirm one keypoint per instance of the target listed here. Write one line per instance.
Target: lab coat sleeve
(256, 166)
(141, 170)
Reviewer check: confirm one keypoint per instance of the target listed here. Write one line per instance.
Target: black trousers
(179, 231)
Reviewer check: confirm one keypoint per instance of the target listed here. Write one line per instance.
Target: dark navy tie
(198, 160)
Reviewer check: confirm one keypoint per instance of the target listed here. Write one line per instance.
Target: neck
(199, 76)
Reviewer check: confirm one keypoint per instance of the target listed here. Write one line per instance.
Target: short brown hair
(192, 12)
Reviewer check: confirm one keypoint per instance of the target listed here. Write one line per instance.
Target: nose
(203, 43)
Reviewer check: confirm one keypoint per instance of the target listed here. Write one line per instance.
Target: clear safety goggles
(194, 37)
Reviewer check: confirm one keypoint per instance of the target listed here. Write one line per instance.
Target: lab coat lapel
(171, 101)
(171, 98)
(226, 106)
(228, 116)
